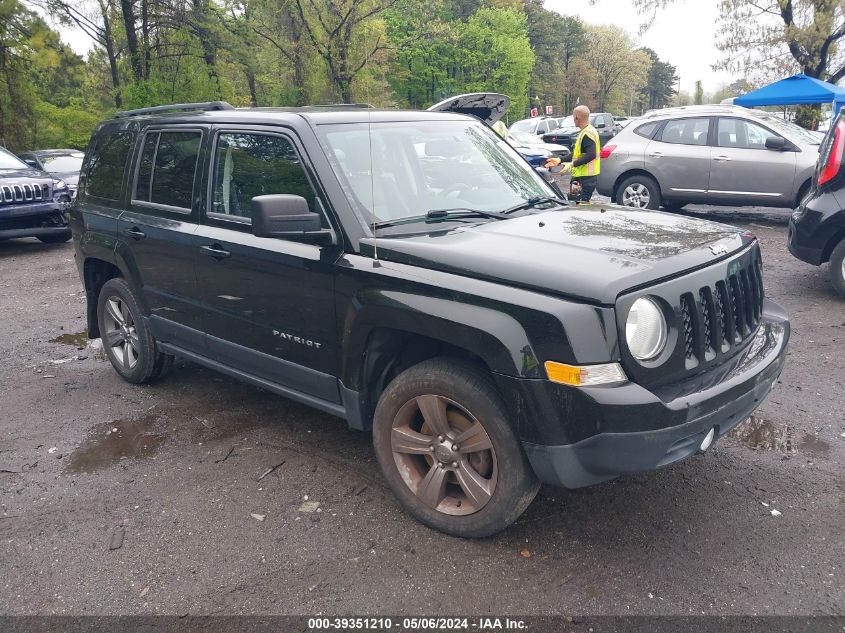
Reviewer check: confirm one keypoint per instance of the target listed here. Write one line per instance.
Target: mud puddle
(81, 341)
(762, 434)
(78, 339)
(113, 441)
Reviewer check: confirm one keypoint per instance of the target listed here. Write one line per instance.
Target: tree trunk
(110, 53)
(131, 38)
(250, 80)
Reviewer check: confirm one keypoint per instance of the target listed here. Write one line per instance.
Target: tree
(660, 86)
(612, 57)
(338, 30)
(699, 93)
(783, 35)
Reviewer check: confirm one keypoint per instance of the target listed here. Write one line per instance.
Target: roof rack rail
(341, 106)
(176, 107)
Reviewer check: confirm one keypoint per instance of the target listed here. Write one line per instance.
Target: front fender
(497, 338)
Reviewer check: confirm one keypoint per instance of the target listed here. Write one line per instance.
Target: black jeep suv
(32, 202)
(410, 273)
(817, 227)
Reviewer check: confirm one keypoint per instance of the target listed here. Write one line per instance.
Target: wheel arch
(383, 338)
(637, 171)
(95, 273)
(832, 243)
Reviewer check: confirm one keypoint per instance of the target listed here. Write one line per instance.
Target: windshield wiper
(531, 203)
(437, 215)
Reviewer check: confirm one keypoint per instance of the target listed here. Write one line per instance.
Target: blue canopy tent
(798, 89)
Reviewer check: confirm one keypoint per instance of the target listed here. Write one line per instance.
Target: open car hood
(487, 106)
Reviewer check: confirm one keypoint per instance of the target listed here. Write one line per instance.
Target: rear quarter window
(106, 165)
(647, 130)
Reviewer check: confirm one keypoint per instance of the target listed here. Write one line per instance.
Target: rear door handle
(656, 154)
(135, 233)
(216, 251)
(722, 159)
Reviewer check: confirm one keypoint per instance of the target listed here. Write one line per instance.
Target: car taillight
(607, 150)
(834, 156)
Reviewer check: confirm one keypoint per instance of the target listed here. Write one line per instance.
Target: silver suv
(724, 155)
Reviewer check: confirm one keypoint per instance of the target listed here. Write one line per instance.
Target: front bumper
(33, 220)
(720, 400)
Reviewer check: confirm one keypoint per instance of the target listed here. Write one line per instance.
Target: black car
(817, 227)
(32, 203)
(408, 272)
(63, 164)
(568, 132)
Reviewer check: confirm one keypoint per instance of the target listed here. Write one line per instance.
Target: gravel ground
(118, 499)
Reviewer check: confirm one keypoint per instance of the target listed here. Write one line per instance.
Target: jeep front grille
(725, 315)
(27, 192)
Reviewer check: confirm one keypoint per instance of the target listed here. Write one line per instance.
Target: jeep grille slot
(723, 316)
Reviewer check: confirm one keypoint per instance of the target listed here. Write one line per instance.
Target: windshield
(10, 161)
(569, 122)
(526, 125)
(526, 138)
(406, 169)
(63, 162)
(788, 128)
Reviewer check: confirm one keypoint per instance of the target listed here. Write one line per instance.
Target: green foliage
(295, 52)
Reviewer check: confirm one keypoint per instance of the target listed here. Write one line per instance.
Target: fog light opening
(708, 440)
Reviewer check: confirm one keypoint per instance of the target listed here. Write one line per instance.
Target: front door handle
(135, 233)
(722, 159)
(215, 250)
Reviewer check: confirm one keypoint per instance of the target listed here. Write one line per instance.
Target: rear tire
(639, 192)
(444, 443)
(127, 340)
(55, 239)
(837, 268)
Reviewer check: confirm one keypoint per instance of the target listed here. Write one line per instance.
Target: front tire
(448, 452)
(639, 192)
(127, 339)
(837, 268)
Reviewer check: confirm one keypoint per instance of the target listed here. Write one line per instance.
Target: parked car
(525, 140)
(490, 336)
(817, 227)
(61, 163)
(32, 202)
(567, 132)
(722, 155)
(537, 125)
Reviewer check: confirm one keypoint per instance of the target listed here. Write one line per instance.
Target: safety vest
(594, 166)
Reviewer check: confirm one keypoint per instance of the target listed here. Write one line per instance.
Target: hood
(28, 173)
(487, 106)
(594, 253)
(70, 177)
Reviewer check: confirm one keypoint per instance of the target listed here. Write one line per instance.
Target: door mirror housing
(286, 216)
(777, 143)
(31, 162)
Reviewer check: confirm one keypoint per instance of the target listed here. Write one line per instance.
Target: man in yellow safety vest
(586, 161)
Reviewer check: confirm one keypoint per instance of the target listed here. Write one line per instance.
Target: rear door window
(167, 168)
(686, 131)
(106, 165)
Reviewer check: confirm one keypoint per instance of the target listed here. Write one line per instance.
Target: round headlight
(645, 329)
(59, 184)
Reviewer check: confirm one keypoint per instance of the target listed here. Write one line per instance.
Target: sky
(684, 34)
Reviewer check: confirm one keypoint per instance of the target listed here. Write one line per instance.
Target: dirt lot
(122, 499)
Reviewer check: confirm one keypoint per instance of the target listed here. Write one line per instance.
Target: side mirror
(775, 142)
(31, 162)
(288, 217)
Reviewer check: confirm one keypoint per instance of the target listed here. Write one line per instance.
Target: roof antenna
(376, 262)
